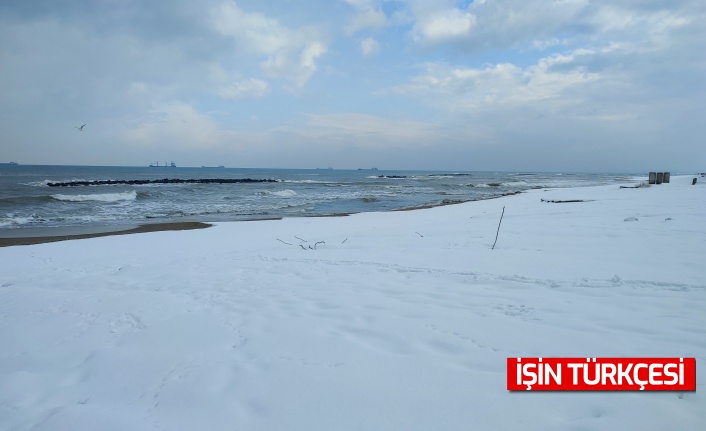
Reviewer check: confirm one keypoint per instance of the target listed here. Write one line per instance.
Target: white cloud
(253, 32)
(136, 88)
(366, 16)
(297, 70)
(617, 59)
(244, 89)
(544, 44)
(366, 130)
(289, 53)
(309, 55)
(369, 46)
(175, 125)
(542, 24)
(444, 25)
(652, 31)
(217, 73)
(550, 81)
(483, 24)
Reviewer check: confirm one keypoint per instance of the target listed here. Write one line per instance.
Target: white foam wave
(282, 193)
(15, 220)
(5, 222)
(45, 183)
(514, 183)
(104, 197)
(387, 177)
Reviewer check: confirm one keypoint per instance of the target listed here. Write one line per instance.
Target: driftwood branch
(496, 233)
(308, 247)
(565, 202)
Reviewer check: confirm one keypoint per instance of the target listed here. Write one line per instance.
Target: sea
(27, 199)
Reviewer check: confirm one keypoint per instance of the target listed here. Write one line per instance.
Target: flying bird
(80, 129)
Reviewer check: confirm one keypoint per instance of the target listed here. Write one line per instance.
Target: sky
(514, 85)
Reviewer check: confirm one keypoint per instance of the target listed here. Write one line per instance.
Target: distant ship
(165, 165)
(11, 163)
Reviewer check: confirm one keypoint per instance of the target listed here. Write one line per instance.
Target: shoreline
(112, 230)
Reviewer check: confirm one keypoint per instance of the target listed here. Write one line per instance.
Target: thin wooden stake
(496, 233)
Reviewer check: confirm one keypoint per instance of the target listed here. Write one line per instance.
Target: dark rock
(162, 181)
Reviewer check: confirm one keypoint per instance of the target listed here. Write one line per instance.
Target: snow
(399, 321)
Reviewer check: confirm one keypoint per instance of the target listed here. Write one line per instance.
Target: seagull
(80, 129)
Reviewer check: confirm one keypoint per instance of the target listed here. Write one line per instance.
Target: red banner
(601, 374)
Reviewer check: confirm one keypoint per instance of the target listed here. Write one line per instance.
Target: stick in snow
(496, 233)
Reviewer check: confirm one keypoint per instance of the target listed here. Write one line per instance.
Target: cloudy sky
(540, 85)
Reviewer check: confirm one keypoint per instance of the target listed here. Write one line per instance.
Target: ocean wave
(33, 220)
(37, 183)
(306, 182)
(432, 177)
(387, 177)
(441, 176)
(281, 193)
(12, 220)
(514, 183)
(103, 197)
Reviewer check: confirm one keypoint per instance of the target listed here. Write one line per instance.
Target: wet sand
(156, 227)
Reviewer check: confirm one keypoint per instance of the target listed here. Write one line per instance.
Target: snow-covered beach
(376, 321)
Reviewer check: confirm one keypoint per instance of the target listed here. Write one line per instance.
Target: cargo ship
(165, 165)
